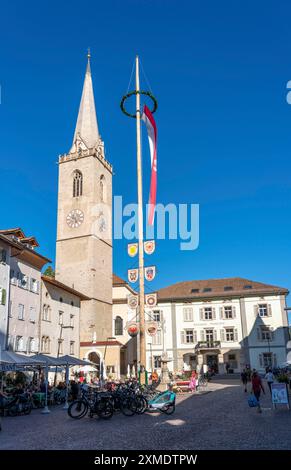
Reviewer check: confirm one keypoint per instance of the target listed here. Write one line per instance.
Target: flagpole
(140, 228)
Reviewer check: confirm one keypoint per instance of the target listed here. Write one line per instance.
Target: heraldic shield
(132, 275)
(150, 273)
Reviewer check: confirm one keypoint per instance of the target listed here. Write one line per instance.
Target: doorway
(212, 362)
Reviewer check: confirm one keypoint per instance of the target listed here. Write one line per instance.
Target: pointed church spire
(87, 127)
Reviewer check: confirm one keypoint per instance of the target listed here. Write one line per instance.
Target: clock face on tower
(75, 218)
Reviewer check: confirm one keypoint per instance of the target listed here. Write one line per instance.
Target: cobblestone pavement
(218, 419)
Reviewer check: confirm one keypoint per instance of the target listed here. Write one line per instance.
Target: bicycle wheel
(105, 410)
(128, 407)
(169, 409)
(141, 405)
(27, 409)
(13, 411)
(78, 409)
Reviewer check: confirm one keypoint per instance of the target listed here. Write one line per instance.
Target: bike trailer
(162, 400)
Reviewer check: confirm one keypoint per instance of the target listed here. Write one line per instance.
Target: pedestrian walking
(270, 379)
(227, 366)
(192, 383)
(244, 379)
(257, 387)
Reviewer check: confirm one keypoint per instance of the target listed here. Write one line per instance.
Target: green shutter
(3, 297)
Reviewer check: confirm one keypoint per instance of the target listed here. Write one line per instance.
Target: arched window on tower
(77, 184)
(118, 326)
(102, 189)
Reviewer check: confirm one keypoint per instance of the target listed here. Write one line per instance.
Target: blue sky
(219, 71)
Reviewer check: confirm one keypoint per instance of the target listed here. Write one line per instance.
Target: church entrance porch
(106, 356)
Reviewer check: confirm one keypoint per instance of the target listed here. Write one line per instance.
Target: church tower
(84, 239)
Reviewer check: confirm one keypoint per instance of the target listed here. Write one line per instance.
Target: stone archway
(94, 357)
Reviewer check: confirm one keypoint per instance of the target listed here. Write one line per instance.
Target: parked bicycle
(98, 403)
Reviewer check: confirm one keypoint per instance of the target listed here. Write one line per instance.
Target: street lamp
(112, 338)
(59, 347)
(151, 352)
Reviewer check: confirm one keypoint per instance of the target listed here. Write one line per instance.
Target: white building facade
(25, 265)
(59, 318)
(222, 324)
(5, 251)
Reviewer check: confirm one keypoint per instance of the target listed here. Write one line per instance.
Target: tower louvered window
(77, 184)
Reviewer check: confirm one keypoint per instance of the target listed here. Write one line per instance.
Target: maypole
(142, 343)
(141, 271)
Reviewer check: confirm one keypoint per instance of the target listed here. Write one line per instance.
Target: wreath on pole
(146, 93)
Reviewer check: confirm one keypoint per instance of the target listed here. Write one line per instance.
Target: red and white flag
(150, 123)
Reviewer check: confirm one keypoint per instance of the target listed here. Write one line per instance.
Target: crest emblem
(132, 275)
(132, 328)
(132, 301)
(149, 247)
(132, 249)
(150, 273)
(151, 300)
(151, 328)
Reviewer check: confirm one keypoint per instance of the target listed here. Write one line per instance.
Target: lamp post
(151, 352)
(58, 355)
(112, 338)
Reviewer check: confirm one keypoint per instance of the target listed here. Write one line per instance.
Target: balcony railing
(208, 345)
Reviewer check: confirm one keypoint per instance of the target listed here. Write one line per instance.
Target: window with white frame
(188, 336)
(46, 312)
(263, 310)
(157, 338)
(24, 281)
(156, 315)
(61, 317)
(19, 344)
(32, 314)
(45, 344)
(209, 335)
(207, 313)
(228, 312)
(31, 345)
(20, 312)
(72, 347)
(265, 333)
(188, 314)
(34, 285)
(268, 359)
(72, 320)
(157, 362)
(229, 334)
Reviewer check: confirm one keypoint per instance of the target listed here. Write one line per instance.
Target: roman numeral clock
(75, 218)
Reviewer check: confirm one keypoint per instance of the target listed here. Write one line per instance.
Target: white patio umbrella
(133, 371)
(128, 371)
(48, 361)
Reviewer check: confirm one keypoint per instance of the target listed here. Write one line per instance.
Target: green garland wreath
(147, 93)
